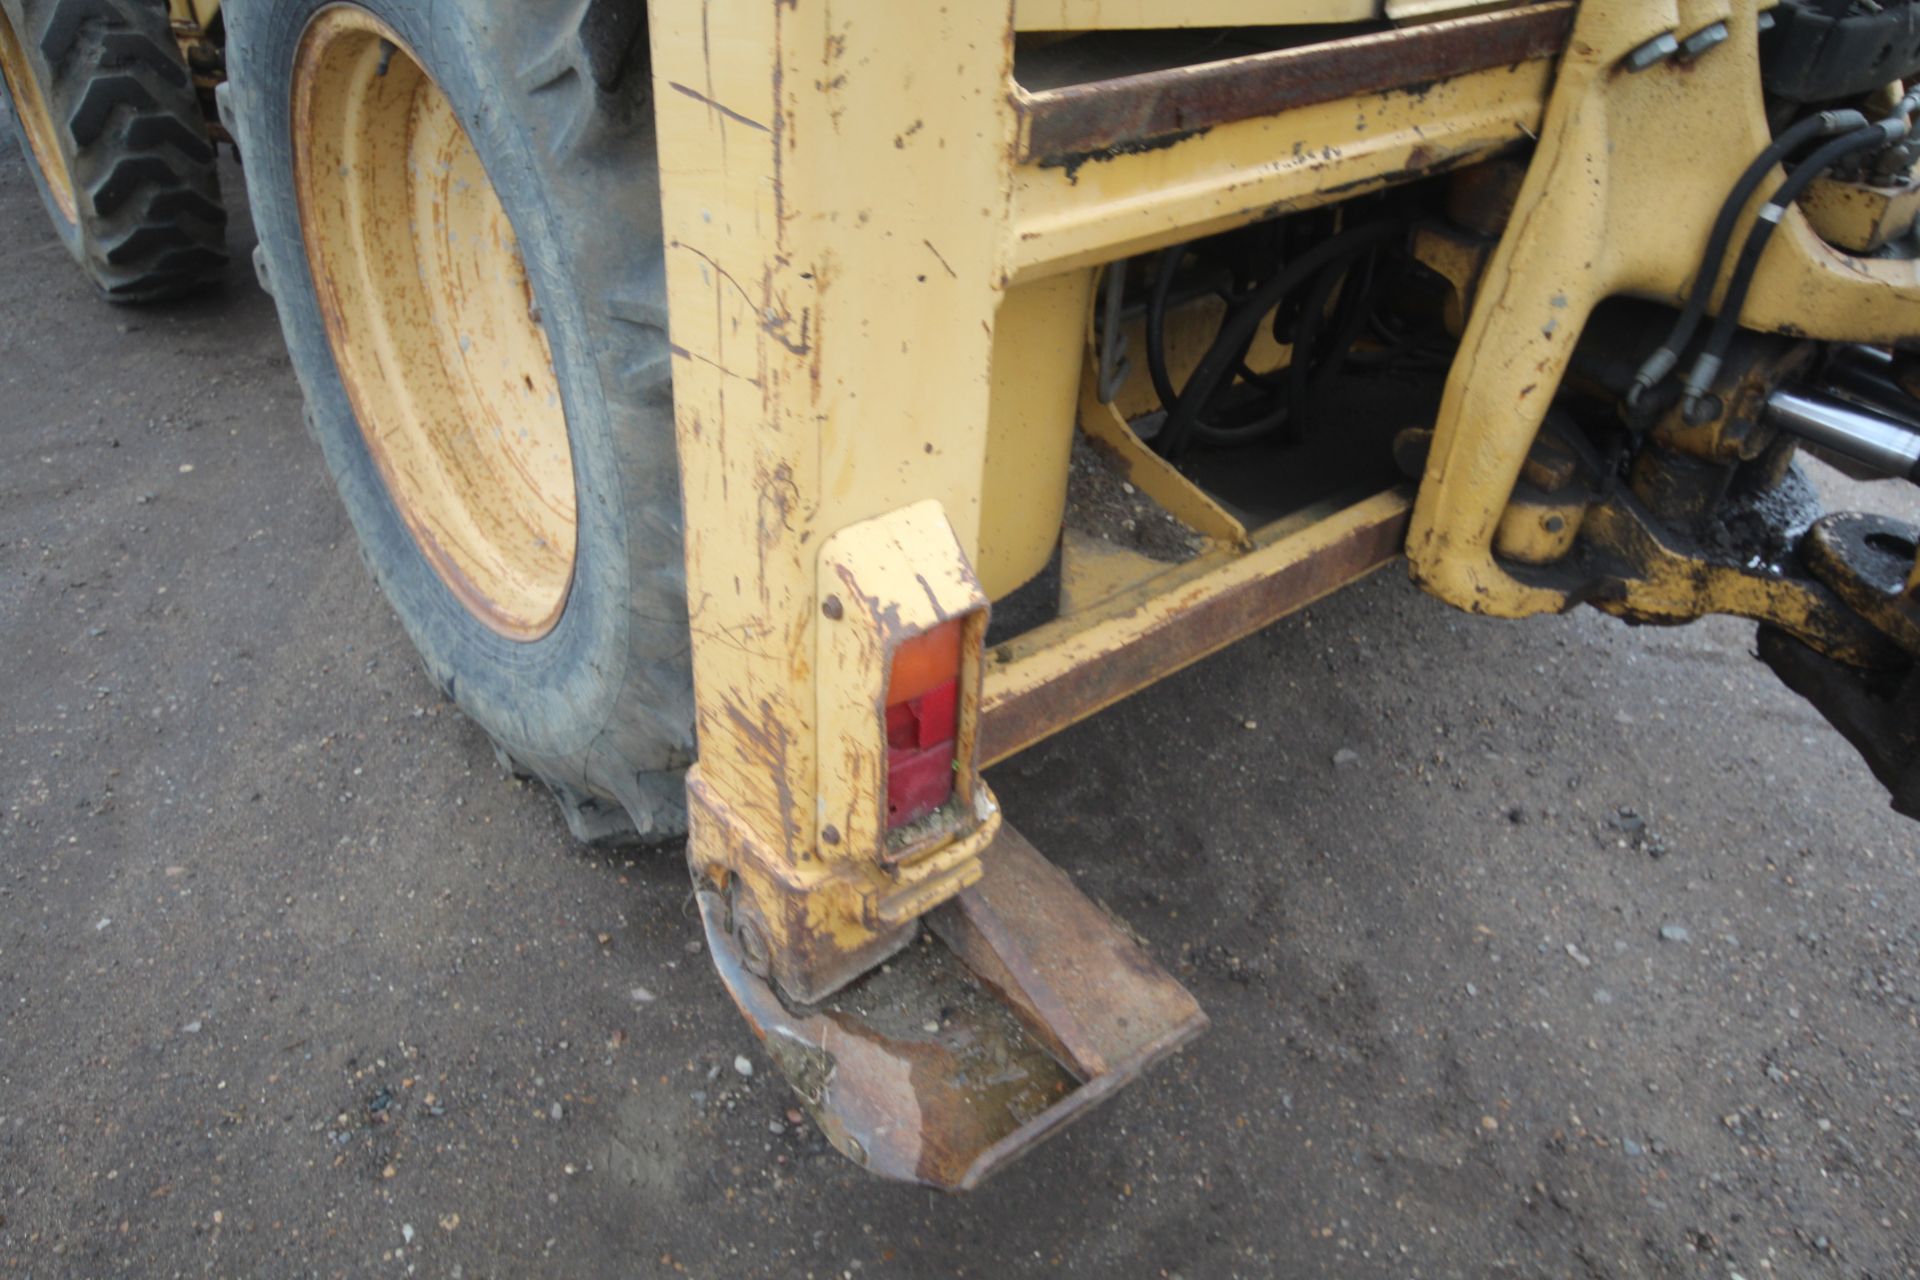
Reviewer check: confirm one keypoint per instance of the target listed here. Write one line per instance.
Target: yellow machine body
(885, 275)
(881, 287)
(900, 244)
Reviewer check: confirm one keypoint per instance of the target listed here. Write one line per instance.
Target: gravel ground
(1539, 949)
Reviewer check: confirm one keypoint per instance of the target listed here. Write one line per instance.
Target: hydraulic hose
(1162, 378)
(1357, 296)
(1662, 361)
(1237, 334)
(1879, 134)
(1306, 332)
(1157, 324)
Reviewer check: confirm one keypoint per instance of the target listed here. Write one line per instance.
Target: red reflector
(923, 697)
(936, 710)
(918, 782)
(903, 728)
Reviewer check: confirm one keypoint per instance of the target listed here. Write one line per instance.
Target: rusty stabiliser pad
(951, 1060)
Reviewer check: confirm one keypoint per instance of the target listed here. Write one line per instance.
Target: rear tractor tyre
(458, 208)
(112, 130)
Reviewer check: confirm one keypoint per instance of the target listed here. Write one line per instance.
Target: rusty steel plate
(1136, 112)
(952, 1059)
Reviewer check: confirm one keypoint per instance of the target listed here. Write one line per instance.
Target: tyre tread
(150, 223)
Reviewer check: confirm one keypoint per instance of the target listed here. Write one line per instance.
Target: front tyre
(458, 209)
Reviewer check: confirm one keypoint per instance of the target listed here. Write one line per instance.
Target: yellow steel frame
(880, 294)
(1133, 203)
(191, 17)
(1096, 15)
(879, 300)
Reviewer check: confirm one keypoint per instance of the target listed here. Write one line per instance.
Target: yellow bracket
(1153, 475)
(1672, 583)
(1628, 176)
(1862, 217)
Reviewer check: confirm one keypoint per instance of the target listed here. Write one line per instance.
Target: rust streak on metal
(1078, 122)
(1205, 616)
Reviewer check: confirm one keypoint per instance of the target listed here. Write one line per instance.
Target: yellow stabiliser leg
(838, 258)
(804, 204)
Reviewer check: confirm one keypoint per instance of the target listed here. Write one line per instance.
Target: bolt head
(1652, 53)
(754, 952)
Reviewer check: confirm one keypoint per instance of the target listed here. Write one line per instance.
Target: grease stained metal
(1877, 712)
(1867, 561)
(1072, 161)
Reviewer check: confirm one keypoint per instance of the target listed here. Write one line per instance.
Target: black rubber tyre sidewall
(591, 706)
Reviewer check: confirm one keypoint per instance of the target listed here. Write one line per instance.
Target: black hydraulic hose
(1265, 381)
(1157, 325)
(1321, 341)
(1244, 323)
(1879, 134)
(1661, 362)
(1306, 333)
(1162, 377)
(1261, 424)
(1356, 303)
(1256, 427)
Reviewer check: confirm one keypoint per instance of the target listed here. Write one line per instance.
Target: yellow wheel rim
(35, 120)
(432, 322)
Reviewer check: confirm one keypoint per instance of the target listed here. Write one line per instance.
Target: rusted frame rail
(1135, 163)
(1066, 671)
(1062, 125)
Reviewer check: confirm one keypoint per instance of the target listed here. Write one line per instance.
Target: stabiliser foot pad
(1024, 1007)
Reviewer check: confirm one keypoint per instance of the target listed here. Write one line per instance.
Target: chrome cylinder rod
(1884, 444)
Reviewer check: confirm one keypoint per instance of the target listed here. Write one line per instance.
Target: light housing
(922, 723)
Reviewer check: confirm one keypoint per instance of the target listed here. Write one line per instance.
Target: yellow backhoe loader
(764, 414)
